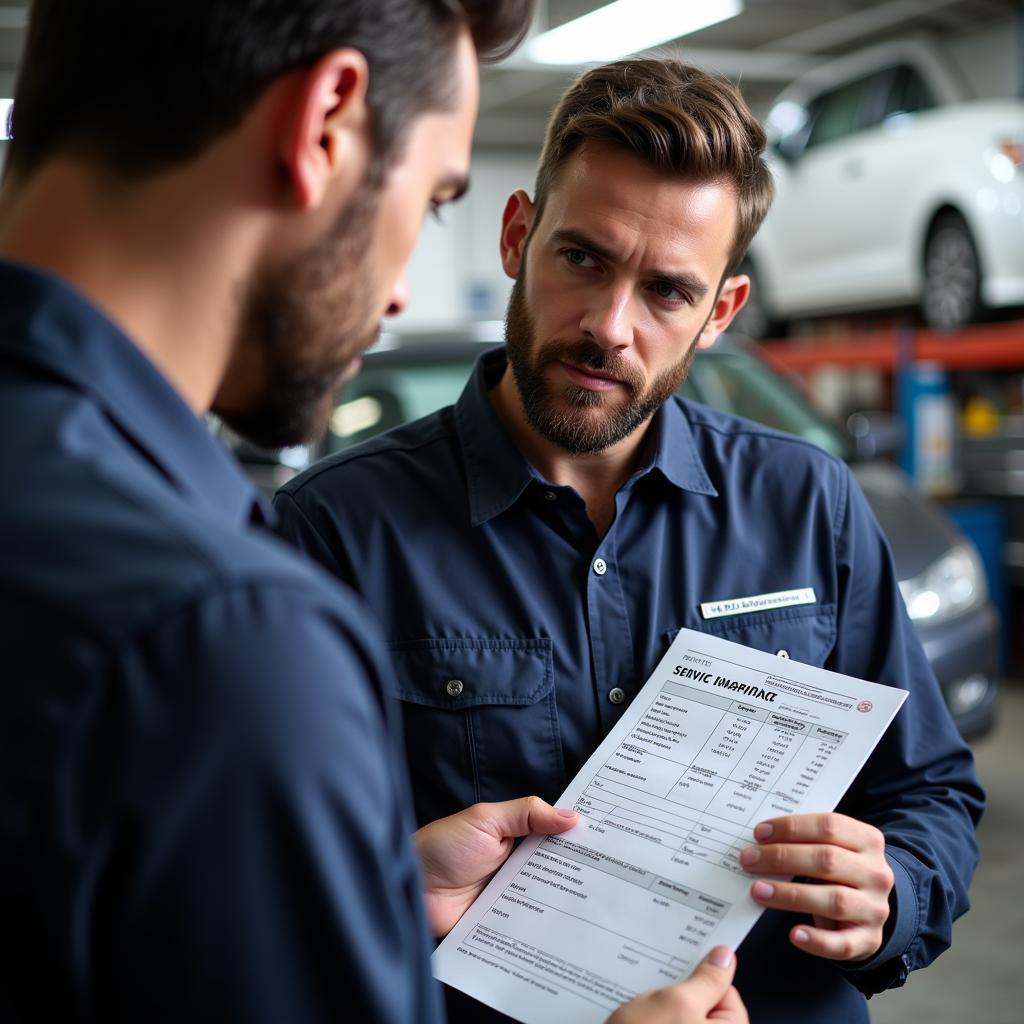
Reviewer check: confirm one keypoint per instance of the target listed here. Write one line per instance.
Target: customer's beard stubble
(565, 418)
(306, 324)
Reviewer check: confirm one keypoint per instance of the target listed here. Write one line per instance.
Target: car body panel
(915, 527)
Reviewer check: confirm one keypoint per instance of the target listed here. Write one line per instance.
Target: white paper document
(720, 738)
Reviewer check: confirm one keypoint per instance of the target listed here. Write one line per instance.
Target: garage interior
(944, 405)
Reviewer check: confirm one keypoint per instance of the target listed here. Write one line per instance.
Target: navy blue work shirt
(484, 573)
(202, 812)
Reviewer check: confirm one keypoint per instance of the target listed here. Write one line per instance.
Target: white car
(893, 189)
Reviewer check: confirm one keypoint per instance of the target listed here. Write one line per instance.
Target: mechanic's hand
(707, 994)
(850, 881)
(461, 852)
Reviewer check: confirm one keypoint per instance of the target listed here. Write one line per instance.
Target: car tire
(756, 319)
(951, 295)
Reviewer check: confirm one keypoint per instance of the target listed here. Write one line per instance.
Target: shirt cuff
(890, 966)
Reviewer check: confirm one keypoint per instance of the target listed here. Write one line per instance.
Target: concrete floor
(980, 980)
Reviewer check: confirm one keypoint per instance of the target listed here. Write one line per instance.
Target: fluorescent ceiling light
(5, 109)
(627, 26)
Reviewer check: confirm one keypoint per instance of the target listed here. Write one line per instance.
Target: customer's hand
(706, 995)
(461, 852)
(847, 896)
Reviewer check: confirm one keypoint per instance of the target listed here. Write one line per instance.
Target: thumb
(712, 977)
(526, 815)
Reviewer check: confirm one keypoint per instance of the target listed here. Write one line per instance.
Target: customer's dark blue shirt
(483, 572)
(202, 813)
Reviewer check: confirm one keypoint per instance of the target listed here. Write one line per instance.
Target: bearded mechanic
(532, 550)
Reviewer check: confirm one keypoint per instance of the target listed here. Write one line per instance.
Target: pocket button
(454, 687)
(617, 696)
(782, 653)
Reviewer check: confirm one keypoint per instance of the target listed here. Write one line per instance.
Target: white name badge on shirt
(758, 603)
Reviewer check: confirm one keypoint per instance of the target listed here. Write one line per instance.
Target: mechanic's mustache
(591, 356)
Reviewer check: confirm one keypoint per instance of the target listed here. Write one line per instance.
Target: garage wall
(455, 274)
(991, 60)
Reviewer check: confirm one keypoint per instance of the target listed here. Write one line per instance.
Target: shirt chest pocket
(806, 634)
(479, 720)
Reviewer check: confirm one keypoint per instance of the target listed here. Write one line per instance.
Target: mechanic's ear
(730, 301)
(326, 134)
(516, 222)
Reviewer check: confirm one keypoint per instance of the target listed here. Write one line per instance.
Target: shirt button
(617, 696)
(600, 566)
(454, 687)
(782, 653)
(550, 496)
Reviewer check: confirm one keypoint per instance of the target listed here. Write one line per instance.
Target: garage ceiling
(764, 47)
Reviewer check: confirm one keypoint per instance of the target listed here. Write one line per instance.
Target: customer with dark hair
(203, 805)
(544, 539)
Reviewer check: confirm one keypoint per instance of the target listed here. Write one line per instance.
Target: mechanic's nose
(608, 319)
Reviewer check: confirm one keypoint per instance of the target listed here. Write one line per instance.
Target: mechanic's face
(313, 318)
(617, 285)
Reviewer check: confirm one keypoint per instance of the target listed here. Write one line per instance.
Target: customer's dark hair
(675, 117)
(139, 87)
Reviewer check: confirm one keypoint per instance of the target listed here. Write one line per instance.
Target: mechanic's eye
(578, 258)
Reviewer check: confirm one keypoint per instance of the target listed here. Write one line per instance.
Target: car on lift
(893, 189)
(941, 577)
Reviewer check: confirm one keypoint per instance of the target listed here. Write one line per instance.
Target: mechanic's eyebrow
(686, 282)
(571, 237)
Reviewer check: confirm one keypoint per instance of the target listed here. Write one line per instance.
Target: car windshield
(740, 383)
(393, 391)
(405, 386)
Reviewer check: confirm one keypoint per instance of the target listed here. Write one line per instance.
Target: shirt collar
(46, 323)
(497, 474)
(671, 450)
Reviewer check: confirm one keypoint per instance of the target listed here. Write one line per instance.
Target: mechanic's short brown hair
(675, 117)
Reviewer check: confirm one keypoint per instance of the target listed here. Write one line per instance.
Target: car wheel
(951, 296)
(755, 319)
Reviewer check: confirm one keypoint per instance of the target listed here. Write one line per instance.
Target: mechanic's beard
(310, 321)
(565, 416)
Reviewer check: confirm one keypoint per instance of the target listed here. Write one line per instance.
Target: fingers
(824, 863)
(848, 897)
(730, 1009)
(839, 903)
(849, 923)
(826, 847)
(845, 943)
(711, 979)
(829, 829)
(528, 814)
(707, 995)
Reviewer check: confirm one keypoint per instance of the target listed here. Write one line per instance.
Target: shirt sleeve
(919, 788)
(313, 531)
(260, 867)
